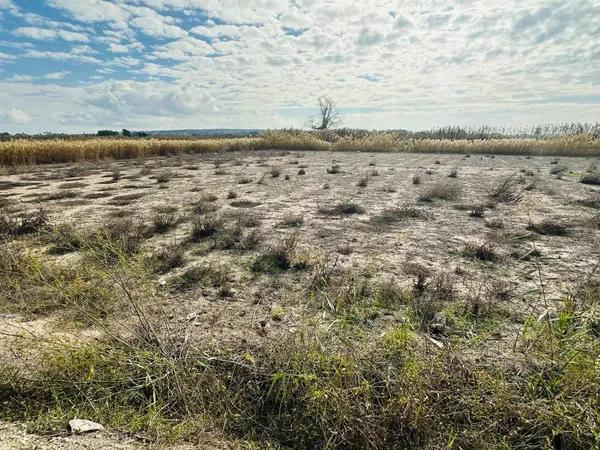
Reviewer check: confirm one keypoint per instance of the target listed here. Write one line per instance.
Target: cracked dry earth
(87, 195)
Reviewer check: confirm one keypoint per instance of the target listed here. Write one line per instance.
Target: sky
(83, 65)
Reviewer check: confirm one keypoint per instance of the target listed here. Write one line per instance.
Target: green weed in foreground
(306, 394)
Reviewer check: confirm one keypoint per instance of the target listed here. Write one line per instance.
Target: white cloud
(62, 56)
(6, 57)
(46, 33)
(56, 75)
(93, 11)
(17, 116)
(183, 49)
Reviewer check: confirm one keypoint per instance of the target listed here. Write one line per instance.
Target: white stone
(84, 426)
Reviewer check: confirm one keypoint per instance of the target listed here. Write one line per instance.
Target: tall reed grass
(32, 151)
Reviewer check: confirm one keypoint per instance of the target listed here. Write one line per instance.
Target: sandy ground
(436, 241)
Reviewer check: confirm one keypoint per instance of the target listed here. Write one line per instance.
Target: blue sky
(81, 65)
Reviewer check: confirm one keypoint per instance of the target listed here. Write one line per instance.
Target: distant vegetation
(554, 140)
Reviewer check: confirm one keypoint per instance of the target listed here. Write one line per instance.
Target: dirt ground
(87, 195)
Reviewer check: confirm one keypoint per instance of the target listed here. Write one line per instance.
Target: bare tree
(329, 115)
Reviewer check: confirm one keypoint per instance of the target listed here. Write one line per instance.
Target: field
(317, 296)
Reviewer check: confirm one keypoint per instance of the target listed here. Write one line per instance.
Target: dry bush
(441, 190)
(482, 252)
(593, 179)
(506, 191)
(169, 257)
(22, 224)
(163, 177)
(548, 228)
(342, 209)
(205, 227)
(591, 202)
(283, 255)
(202, 276)
(335, 168)
(363, 181)
(163, 222)
(291, 221)
(393, 215)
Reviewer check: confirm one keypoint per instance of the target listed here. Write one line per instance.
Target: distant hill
(205, 132)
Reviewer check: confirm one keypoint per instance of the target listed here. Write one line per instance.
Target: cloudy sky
(81, 65)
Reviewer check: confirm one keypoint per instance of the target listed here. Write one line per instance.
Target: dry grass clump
(163, 222)
(117, 240)
(85, 290)
(363, 181)
(23, 223)
(63, 238)
(283, 255)
(245, 204)
(591, 202)
(59, 195)
(334, 169)
(202, 276)
(205, 227)
(507, 190)
(558, 170)
(441, 190)
(593, 179)
(291, 221)
(548, 228)
(342, 209)
(393, 215)
(163, 177)
(169, 257)
(482, 252)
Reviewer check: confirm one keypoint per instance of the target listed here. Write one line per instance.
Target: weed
(169, 258)
(593, 179)
(342, 209)
(204, 227)
(161, 222)
(163, 177)
(335, 168)
(22, 224)
(393, 215)
(291, 221)
(440, 190)
(506, 191)
(482, 252)
(548, 228)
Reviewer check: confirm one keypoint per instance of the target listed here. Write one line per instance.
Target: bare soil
(99, 191)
